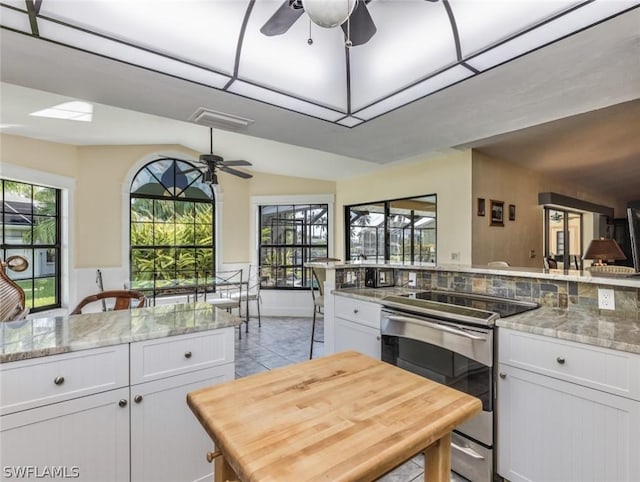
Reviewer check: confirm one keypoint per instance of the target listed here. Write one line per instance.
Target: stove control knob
(502, 375)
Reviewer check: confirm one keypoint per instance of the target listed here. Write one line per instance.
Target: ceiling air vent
(220, 120)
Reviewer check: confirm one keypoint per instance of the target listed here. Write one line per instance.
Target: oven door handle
(467, 451)
(435, 326)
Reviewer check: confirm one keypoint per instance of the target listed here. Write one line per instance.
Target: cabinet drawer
(359, 311)
(165, 357)
(49, 379)
(612, 371)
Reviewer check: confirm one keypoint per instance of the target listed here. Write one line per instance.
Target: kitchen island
(101, 396)
(344, 417)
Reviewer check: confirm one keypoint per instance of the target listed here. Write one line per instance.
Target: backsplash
(570, 295)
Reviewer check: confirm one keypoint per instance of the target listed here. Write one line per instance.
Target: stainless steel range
(448, 337)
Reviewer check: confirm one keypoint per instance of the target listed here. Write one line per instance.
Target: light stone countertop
(612, 279)
(585, 326)
(20, 340)
(579, 326)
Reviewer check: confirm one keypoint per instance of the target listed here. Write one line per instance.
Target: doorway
(563, 237)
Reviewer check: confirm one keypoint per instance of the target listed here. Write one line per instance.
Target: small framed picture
(480, 206)
(512, 212)
(497, 213)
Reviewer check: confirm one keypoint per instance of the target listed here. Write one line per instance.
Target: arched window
(172, 226)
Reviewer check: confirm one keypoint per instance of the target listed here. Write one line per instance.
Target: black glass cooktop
(502, 306)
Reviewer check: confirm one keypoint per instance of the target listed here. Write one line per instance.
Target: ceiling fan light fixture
(329, 13)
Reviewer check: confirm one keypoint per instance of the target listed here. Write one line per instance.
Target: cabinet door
(354, 336)
(551, 430)
(167, 441)
(86, 439)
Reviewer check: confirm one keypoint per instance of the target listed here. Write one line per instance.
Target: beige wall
(509, 182)
(102, 175)
(448, 176)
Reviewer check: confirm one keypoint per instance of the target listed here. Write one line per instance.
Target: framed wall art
(497, 213)
(480, 206)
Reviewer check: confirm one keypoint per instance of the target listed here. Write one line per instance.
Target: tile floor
(282, 341)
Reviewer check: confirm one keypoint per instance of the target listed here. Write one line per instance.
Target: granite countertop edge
(581, 326)
(113, 335)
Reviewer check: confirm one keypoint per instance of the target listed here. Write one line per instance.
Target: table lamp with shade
(602, 250)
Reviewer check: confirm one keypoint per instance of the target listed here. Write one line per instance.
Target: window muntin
(399, 230)
(172, 226)
(291, 235)
(31, 228)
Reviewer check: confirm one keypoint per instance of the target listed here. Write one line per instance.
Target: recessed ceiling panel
(14, 19)
(287, 63)
(281, 100)
(204, 32)
(426, 87)
(486, 23)
(414, 40)
(110, 48)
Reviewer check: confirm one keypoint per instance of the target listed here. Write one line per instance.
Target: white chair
(252, 292)
(498, 264)
(228, 287)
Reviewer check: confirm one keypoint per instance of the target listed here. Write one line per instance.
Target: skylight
(76, 110)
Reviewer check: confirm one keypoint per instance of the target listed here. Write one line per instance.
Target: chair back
(549, 263)
(227, 283)
(122, 300)
(12, 297)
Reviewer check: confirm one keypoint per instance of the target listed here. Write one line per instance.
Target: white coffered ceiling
(434, 76)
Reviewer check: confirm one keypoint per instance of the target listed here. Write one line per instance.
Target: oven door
(451, 354)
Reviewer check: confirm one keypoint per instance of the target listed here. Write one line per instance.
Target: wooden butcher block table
(344, 417)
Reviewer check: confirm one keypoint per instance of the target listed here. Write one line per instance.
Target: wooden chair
(12, 297)
(122, 300)
(549, 263)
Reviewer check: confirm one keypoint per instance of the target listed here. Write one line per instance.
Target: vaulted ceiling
(435, 75)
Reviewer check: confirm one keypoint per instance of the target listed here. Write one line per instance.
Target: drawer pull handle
(502, 375)
(187, 354)
(213, 455)
(137, 398)
(122, 402)
(58, 380)
(560, 360)
(355, 311)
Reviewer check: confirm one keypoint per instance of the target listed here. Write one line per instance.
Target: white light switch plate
(606, 299)
(412, 279)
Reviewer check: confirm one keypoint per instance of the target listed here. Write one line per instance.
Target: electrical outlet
(606, 299)
(412, 279)
(455, 256)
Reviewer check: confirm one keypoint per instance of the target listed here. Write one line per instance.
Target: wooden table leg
(223, 471)
(437, 461)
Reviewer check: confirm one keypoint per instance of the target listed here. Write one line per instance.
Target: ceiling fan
(358, 30)
(212, 163)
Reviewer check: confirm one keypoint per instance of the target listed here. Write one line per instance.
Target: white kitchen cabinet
(553, 425)
(85, 438)
(167, 441)
(83, 414)
(357, 326)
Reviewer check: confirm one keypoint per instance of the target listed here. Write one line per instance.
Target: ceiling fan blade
(187, 171)
(361, 25)
(235, 172)
(281, 20)
(235, 163)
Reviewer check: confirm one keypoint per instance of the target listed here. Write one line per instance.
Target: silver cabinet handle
(467, 451)
(502, 375)
(378, 337)
(58, 380)
(187, 354)
(137, 398)
(560, 360)
(122, 402)
(355, 311)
